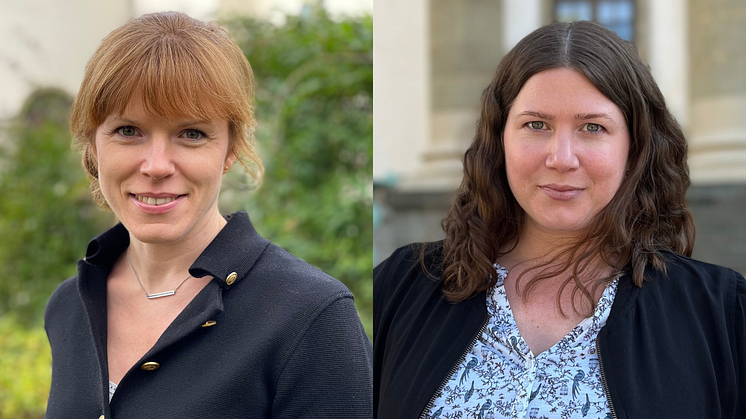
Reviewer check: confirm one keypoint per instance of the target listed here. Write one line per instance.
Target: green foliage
(25, 370)
(47, 215)
(314, 90)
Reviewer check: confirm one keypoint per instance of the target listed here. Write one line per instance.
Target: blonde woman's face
(162, 178)
(566, 148)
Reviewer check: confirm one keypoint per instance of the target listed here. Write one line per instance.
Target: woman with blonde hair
(178, 311)
(564, 287)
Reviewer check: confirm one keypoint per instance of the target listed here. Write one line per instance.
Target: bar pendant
(161, 294)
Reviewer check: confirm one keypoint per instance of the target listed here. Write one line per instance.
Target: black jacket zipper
(454, 368)
(603, 380)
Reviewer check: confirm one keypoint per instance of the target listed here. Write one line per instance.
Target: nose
(158, 161)
(562, 153)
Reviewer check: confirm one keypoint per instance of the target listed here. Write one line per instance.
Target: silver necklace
(159, 294)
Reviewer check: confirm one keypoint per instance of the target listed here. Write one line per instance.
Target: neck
(162, 266)
(536, 246)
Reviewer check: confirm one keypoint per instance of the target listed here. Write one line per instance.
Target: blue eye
(127, 131)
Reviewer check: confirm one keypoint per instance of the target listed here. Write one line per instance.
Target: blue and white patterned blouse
(501, 378)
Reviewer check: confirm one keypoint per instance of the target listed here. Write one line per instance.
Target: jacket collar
(234, 250)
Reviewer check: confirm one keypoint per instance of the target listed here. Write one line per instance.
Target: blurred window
(617, 15)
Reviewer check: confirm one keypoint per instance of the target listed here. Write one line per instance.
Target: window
(617, 15)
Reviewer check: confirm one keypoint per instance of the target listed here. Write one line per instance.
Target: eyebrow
(586, 116)
(537, 114)
(580, 116)
(121, 120)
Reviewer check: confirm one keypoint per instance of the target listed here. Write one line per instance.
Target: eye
(593, 128)
(537, 125)
(194, 134)
(127, 131)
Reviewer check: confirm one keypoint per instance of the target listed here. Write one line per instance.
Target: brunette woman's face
(566, 148)
(162, 178)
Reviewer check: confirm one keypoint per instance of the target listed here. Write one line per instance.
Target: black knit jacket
(286, 343)
(674, 348)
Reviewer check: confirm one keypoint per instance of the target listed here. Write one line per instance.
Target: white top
(112, 389)
(501, 378)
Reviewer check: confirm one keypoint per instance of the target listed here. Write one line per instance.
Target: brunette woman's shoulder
(418, 259)
(693, 280)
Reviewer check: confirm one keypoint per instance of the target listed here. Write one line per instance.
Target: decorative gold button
(150, 366)
(209, 323)
(231, 278)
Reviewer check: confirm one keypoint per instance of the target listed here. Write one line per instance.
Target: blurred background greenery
(314, 80)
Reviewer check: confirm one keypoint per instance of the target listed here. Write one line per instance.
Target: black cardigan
(675, 348)
(287, 342)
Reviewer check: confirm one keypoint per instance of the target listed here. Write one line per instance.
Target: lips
(159, 203)
(155, 201)
(561, 192)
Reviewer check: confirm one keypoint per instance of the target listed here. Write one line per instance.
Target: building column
(717, 126)
(465, 48)
(668, 53)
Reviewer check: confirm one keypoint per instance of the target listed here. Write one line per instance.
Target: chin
(156, 233)
(563, 225)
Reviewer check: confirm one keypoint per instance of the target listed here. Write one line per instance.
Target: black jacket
(675, 348)
(287, 342)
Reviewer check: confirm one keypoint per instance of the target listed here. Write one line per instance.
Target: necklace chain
(159, 294)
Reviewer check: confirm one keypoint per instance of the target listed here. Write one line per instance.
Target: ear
(229, 160)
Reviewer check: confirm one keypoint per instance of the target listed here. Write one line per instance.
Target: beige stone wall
(465, 48)
(717, 135)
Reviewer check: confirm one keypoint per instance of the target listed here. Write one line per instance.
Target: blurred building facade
(433, 59)
(47, 43)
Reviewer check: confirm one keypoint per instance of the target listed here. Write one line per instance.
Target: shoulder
(63, 306)
(63, 297)
(416, 260)
(282, 272)
(685, 274)
(409, 277)
(686, 289)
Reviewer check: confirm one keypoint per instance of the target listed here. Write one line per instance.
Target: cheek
(520, 163)
(607, 174)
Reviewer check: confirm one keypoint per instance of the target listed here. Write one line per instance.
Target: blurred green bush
(314, 104)
(314, 81)
(47, 215)
(25, 370)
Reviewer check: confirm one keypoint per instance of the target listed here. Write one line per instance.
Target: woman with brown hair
(563, 287)
(178, 311)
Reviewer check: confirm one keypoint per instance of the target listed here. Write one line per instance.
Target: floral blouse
(501, 378)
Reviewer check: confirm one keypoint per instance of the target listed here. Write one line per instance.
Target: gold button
(209, 323)
(231, 278)
(150, 366)
(101, 417)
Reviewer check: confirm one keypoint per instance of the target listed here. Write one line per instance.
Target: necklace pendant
(161, 294)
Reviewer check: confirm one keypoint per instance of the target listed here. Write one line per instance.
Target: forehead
(141, 106)
(563, 92)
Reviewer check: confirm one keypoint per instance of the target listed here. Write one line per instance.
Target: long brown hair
(180, 68)
(648, 215)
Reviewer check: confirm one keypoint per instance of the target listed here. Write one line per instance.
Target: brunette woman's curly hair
(648, 214)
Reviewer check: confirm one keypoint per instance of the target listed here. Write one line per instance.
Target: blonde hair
(178, 67)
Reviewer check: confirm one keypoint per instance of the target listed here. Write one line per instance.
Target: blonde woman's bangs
(174, 81)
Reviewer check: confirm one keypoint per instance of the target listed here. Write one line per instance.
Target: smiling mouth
(155, 201)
